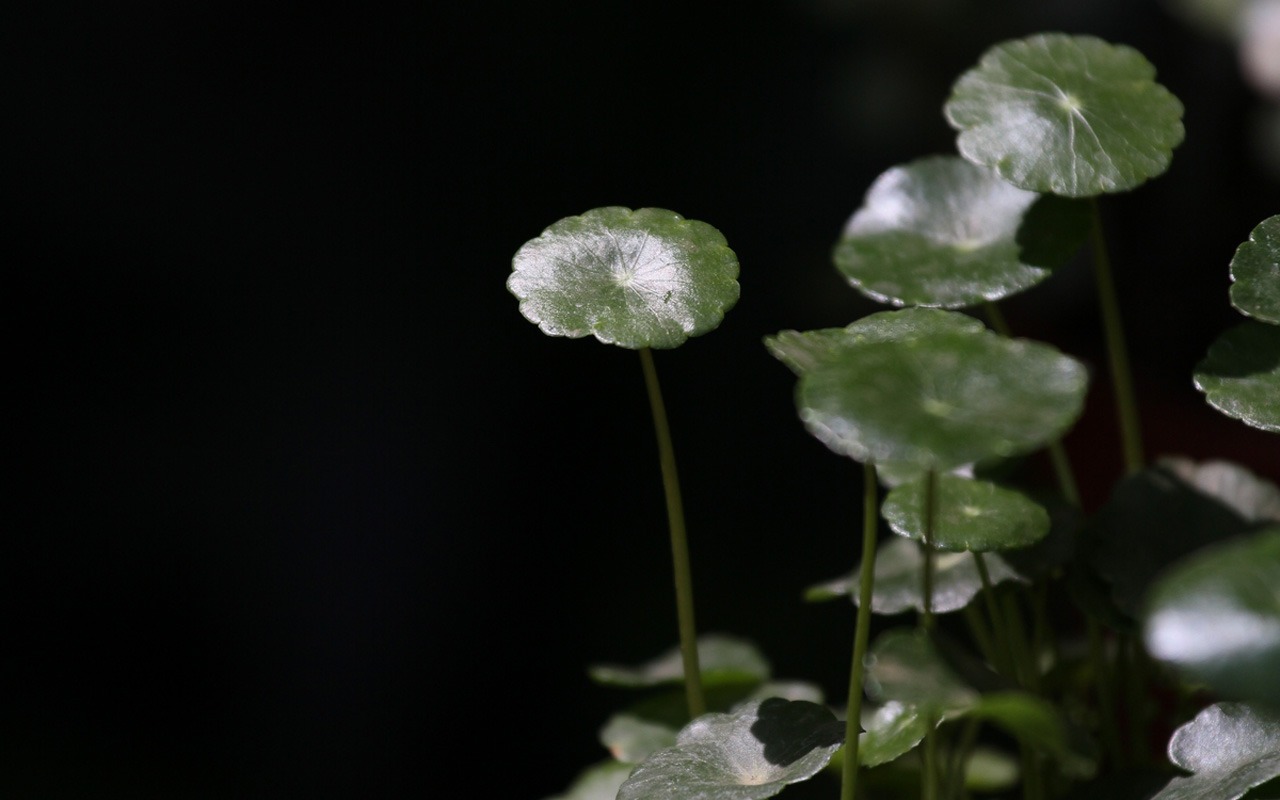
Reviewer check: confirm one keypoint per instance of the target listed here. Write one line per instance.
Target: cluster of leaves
(1066, 636)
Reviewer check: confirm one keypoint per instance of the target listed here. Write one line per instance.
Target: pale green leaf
(1240, 376)
(972, 515)
(1229, 748)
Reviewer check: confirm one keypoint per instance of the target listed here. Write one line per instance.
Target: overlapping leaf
(1240, 376)
(1255, 273)
(898, 583)
(722, 659)
(941, 231)
(802, 350)
(1068, 115)
(942, 400)
(969, 515)
(1216, 617)
(750, 754)
(597, 782)
(643, 278)
(1229, 747)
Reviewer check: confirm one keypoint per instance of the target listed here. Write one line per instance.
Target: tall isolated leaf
(643, 278)
(1067, 115)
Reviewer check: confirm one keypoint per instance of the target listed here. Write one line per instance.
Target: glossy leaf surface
(802, 350)
(1068, 115)
(891, 730)
(1229, 748)
(722, 659)
(1255, 273)
(597, 782)
(938, 231)
(753, 753)
(1235, 486)
(899, 567)
(643, 278)
(1153, 519)
(1241, 375)
(943, 400)
(970, 515)
(1216, 617)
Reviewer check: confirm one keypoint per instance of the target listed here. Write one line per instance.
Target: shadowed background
(302, 505)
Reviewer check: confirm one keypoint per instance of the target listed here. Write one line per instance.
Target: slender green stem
(862, 631)
(1057, 453)
(930, 511)
(960, 756)
(1117, 354)
(1027, 667)
(982, 636)
(1102, 679)
(929, 753)
(1007, 663)
(679, 541)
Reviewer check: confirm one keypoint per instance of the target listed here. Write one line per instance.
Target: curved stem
(866, 581)
(679, 541)
(1117, 355)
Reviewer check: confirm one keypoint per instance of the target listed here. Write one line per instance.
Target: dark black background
(301, 506)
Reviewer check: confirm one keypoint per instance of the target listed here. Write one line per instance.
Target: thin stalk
(930, 511)
(1106, 697)
(929, 778)
(1007, 664)
(1117, 354)
(1027, 667)
(1057, 453)
(862, 631)
(960, 756)
(679, 542)
(982, 636)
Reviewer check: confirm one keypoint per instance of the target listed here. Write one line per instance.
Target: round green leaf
(643, 278)
(1068, 115)
(939, 231)
(751, 754)
(597, 782)
(903, 665)
(1240, 376)
(898, 583)
(969, 515)
(1230, 748)
(1216, 617)
(943, 400)
(800, 351)
(1255, 273)
(722, 659)
(631, 738)
(891, 730)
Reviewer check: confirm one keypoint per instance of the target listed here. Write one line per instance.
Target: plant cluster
(1047, 646)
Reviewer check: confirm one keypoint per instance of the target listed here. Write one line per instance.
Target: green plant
(1049, 644)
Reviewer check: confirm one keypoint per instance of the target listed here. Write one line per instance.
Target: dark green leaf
(970, 515)
(750, 754)
(1254, 499)
(643, 278)
(1215, 616)
(1152, 520)
(1255, 271)
(1241, 375)
(1068, 115)
(939, 231)
(722, 659)
(1230, 748)
(942, 400)
(1054, 229)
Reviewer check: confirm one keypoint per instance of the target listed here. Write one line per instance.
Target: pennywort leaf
(597, 782)
(750, 754)
(1068, 115)
(1255, 273)
(943, 400)
(723, 660)
(1240, 376)
(1229, 748)
(971, 515)
(1215, 616)
(802, 350)
(643, 278)
(939, 231)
